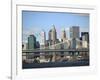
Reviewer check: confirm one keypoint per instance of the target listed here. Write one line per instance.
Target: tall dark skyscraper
(31, 42)
(74, 32)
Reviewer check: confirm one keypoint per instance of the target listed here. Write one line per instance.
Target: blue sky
(35, 22)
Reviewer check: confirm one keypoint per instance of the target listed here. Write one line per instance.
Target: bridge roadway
(55, 50)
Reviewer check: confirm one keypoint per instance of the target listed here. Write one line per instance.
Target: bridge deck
(55, 50)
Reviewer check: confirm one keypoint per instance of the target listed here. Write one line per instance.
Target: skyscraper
(53, 33)
(74, 35)
(49, 35)
(52, 41)
(31, 42)
(52, 36)
(73, 43)
(42, 42)
(85, 39)
(85, 36)
(63, 35)
(43, 38)
(74, 32)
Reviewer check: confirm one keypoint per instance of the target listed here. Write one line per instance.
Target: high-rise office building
(42, 42)
(31, 46)
(63, 35)
(52, 36)
(53, 33)
(49, 35)
(52, 41)
(31, 42)
(85, 44)
(74, 32)
(85, 39)
(73, 43)
(78, 43)
(43, 38)
(85, 36)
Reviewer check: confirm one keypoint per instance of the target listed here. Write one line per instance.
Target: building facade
(42, 43)
(74, 32)
(63, 35)
(85, 36)
(85, 39)
(31, 42)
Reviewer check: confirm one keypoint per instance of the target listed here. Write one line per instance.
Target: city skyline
(60, 20)
(41, 35)
(54, 39)
(50, 51)
(74, 39)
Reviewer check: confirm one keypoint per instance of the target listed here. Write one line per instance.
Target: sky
(34, 22)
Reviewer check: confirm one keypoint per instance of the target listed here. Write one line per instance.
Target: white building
(84, 44)
(42, 42)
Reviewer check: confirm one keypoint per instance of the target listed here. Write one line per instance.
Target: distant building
(63, 35)
(31, 46)
(49, 35)
(85, 36)
(43, 38)
(85, 39)
(52, 37)
(65, 45)
(73, 43)
(74, 32)
(42, 42)
(31, 42)
(85, 44)
(52, 34)
(37, 45)
(74, 36)
(78, 43)
(52, 42)
(24, 47)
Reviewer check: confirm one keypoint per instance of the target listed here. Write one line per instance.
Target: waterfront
(56, 64)
(56, 59)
